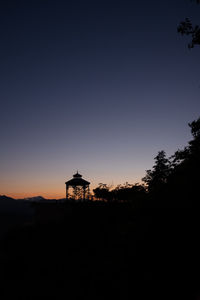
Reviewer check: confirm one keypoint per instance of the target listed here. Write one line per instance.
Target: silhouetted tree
(178, 157)
(187, 28)
(102, 192)
(128, 192)
(156, 178)
(183, 181)
(194, 145)
(193, 149)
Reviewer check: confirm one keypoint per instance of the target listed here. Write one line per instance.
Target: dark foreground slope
(14, 213)
(99, 251)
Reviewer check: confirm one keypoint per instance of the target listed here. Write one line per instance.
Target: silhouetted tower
(79, 185)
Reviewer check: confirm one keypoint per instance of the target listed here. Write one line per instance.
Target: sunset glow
(102, 95)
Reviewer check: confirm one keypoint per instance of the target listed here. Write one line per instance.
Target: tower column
(67, 187)
(88, 191)
(84, 190)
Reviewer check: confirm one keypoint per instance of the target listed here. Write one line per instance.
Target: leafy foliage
(158, 176)
(121, 193)
(177, 179)
(187, 28)
(128, 192)
(102, 192)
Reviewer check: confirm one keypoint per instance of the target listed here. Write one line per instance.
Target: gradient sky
(98, 86)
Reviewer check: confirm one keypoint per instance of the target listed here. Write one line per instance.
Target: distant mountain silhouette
(35, 199)
(3, 197)
(8, 204)
(40, 199)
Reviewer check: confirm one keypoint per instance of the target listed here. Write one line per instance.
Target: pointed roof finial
(77, 174)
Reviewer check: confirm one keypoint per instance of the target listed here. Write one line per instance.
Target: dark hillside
(104, 251)
(14, 213)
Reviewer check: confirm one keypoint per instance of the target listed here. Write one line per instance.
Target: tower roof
(77, 175)
(77, 180)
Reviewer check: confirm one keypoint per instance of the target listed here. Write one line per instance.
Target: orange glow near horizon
(30, 195)
(51, 184)
(51, 193)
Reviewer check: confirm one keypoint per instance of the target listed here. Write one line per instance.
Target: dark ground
(99, 251)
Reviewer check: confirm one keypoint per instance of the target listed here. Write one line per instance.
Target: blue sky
(96, 86)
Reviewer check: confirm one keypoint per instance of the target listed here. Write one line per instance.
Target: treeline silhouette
(172, 182)
(122, 193)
